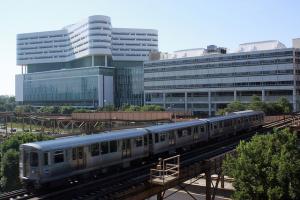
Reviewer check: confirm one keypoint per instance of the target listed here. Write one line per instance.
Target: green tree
(66, 110)
(24, 109)
(107, 108)
(50, 110)
(285, 105)
(256, 104)
(267, 167)
(232, 107)
(9, 158)
(152, 108)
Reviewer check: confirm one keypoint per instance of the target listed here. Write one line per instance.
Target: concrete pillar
(222, 181)
(294, 100)
(105, 60)
(93, 61)
(159, 196)
(263, 93)
(185, 101)
(209, 103)
(164, 100)
(208, 184)
(234, 95)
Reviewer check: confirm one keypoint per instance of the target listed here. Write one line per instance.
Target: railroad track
(110, 186)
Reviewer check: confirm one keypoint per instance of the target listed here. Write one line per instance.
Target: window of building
(59, 156)
(34, 161)
(95, 149)
(104, 147)
(113, 146)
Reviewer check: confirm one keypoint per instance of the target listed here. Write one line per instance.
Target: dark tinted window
(104, 147)
(156, 138)
(34, 161)
(139, 142)
(162, 137)
(45, 158)
(179, 133)
(145, 140)
(58, 156)
(113, 146)
(74, 153)
(95, 149)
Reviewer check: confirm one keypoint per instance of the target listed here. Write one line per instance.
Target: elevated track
(134, 183)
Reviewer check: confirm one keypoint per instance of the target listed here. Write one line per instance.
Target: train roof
(177, 125)
(69, 142)
(234, 115)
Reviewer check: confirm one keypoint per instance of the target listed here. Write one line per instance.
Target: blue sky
(181, 24)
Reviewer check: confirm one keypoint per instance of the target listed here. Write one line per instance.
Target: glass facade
(78, 87)
(129, 82)
(78, 63)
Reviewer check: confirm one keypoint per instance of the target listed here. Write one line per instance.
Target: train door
(126, 148)
(25, 163)
(196, 132)
(171, 138)
(78, 157)
(146, 144)
(150, 143)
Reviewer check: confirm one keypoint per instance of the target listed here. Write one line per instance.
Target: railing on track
(166, 170)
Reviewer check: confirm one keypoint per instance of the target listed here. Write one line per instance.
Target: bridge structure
(80, 123)
(142, 182)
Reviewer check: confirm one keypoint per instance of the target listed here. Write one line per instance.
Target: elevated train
(49, 162)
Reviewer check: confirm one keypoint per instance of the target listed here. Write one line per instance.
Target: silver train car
(49, 162)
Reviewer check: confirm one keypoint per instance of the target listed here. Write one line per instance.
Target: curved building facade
(89, 45)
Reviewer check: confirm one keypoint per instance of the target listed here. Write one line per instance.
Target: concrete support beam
(164, 100)
(208, 184)
(185, 101)
(105, 60)
(209, 103)
(294, 100)
(263, 93)
(234, 95)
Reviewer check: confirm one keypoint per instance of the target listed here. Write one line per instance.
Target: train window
(215, 126)
(162, 137)
(104, 147)
(180, 133)
(80, 152)
(156, 138)
(113, 146)
(189, 131)
(34, 161)
(139, 141)
(202, 129)
(145, 140)
(46, 158)
(95, 149)
(58, 156)
(74, 154)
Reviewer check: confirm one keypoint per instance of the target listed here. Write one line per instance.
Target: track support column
(208, 181)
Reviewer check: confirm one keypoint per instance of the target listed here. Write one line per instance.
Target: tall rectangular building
(87, 64)
(205, 80)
